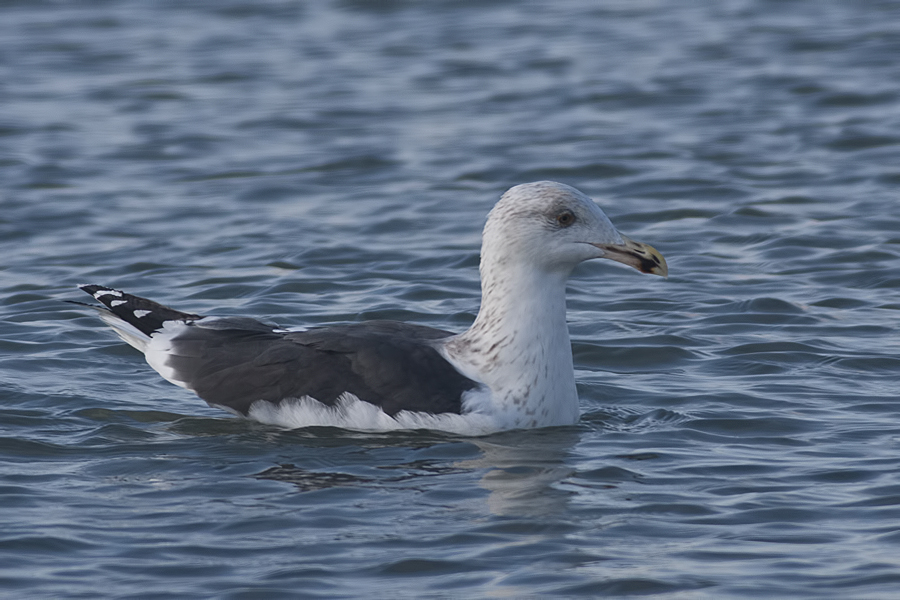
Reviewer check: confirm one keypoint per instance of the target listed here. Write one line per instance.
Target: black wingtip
(146, 315)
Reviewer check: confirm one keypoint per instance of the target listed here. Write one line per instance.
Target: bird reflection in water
(521, 471)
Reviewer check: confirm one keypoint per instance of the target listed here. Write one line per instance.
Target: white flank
(349, 412)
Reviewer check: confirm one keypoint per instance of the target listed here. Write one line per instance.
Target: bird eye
(565, 218)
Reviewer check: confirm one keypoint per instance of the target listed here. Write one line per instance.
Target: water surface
(334, 161)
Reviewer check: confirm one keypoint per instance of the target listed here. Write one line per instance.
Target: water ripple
(320, 162)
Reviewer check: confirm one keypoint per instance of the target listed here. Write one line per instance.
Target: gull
(512, 369)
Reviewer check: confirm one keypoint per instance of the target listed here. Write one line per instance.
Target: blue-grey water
(314, 162)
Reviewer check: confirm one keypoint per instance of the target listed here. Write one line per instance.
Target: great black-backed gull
(512, 368)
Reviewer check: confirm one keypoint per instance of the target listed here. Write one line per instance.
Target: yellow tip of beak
(643, 257)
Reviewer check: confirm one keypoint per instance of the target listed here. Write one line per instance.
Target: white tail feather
(128, 332)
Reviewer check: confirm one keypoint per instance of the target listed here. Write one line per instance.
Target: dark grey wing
(232, 364)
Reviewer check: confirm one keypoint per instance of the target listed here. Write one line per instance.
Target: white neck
(519, 345)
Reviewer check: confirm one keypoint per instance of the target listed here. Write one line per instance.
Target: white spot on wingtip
(141, 313)
(118, 302)
(99, 293)
(290, 329)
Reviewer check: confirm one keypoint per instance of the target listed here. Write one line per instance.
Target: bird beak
(643, 257)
